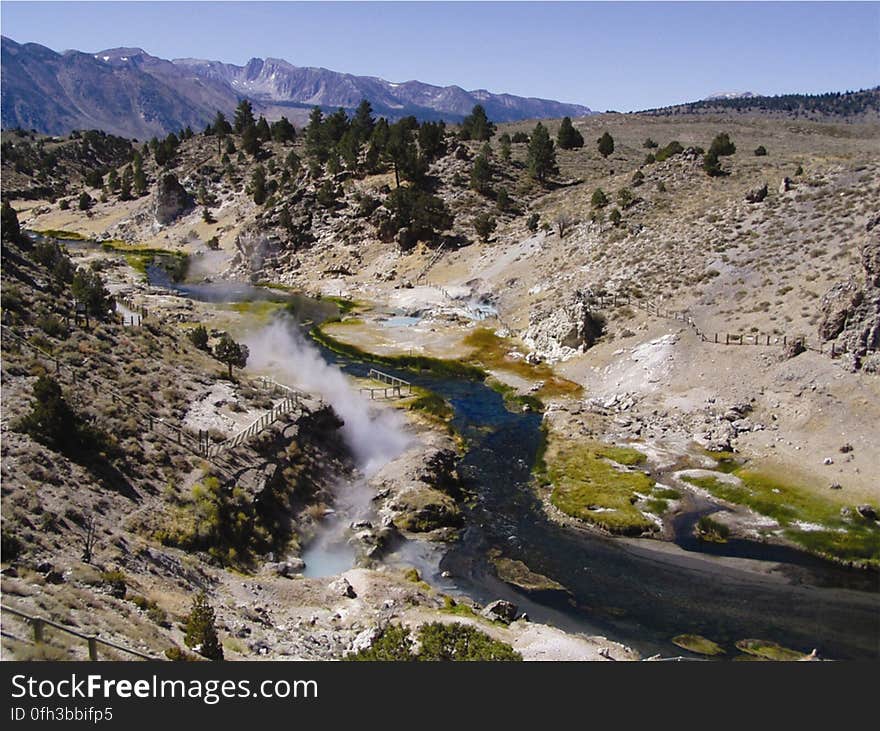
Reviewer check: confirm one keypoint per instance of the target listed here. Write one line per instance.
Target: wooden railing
(38, 625)
(394, 384)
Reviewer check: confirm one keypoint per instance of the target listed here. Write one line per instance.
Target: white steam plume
(374, 438)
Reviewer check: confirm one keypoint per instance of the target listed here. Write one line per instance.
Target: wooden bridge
(391, 383)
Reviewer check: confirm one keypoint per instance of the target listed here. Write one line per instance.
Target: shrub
(722, 145)
(520, 138)
(625, 198)
(200, 631)
(599, 199)
(484, 225)
(672, 149)
(649, 144)
(760, 151)
(532, 222)
(638, 178)
(436, 642)
(615, 217)
(198, 336)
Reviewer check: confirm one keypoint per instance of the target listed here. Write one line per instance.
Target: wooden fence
(658, 310)
(39, 624)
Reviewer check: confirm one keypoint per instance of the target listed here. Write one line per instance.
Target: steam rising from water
(374, 439)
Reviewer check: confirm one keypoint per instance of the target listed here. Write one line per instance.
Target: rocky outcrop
(557, 332)
(171, 200)
(850, 314)
(418, 492)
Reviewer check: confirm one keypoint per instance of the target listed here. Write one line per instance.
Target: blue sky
(622, 56)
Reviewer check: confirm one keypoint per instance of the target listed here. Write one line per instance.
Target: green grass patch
(514, 401)
(140, 257)
(438, 366)
(262, 309)
(658, 506)
(853, 539)
(586, 485)
(55, 233)
(711, 531)
(432, 404)
(698, 644)
(345, 305)
(622, 455)
(767, 650)
(667, 493)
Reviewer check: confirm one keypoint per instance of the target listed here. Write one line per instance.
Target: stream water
(640, 592)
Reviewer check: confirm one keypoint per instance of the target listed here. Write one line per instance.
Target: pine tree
(481, 174)
(221, 126)
(200, 630)
(263, 131)
(125, 184)
(568, 137)
(605, 144)
(476, 126)
(244, 116)
(316, 141)
(250, 140)
(230, 353)
(283, 131)
(542, 154)
(504, 147)
(139, 179)
(363, 121)
(258, 185)
(484, 225)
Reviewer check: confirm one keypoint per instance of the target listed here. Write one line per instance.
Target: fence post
(93, 648)
(727, 339)
(38, 629)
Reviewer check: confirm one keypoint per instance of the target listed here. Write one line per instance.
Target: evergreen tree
(263, 131)
(244, 116)
(51, 419)
(283, 131)
(504, 147)
(605, 144)
(568, 137)
(258, 185)
(221, 126)
(432, 143)
(200, 630)
(481, 174)
(88, 288)
(198, 336)
(250, 140)
(335, 126)
(125, 184)
(85, 201)
(139, 179)
(615, 217)
(542, 154)
(476, 126)
(484, 225)
(363, 121)
(420, 213)
(230, 353)
(712, 165)
(113, 181)
(316, 141)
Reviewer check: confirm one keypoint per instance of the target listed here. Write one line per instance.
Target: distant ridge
(128, 92)
(864, 103)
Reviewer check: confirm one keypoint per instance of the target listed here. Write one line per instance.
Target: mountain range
(128, 92)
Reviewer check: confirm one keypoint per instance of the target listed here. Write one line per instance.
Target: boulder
(867, 511)
(756, 195)
(341, 587)
(500, 610)
(171, 199)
